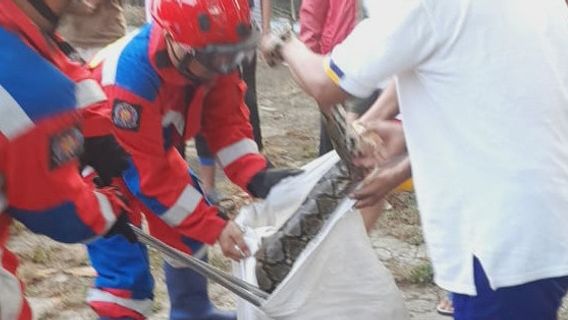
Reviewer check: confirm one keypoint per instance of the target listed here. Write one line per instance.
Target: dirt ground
(57, 276)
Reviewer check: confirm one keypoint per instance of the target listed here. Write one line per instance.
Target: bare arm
(266, 12)
(382, 181)
(309, 73)
(385, 107)
(396, 169)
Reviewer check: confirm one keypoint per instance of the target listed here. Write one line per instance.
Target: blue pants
(123, 287)
(538, 300)
(124, 284)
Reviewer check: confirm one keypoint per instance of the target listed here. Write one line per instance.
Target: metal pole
(239, 287)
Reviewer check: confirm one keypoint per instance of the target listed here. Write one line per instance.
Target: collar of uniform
(15, 20)
(160, 60)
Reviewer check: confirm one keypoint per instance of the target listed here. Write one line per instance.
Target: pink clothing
(325, 23)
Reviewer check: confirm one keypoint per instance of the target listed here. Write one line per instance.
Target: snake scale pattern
(278, 252)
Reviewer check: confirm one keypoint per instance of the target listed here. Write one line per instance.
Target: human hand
(382, 180)
(377, 142)
(233, 243)
(271, 43)
(270, 46)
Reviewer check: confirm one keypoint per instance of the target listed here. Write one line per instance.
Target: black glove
(262, 182)
(106, 156)
(122, 227)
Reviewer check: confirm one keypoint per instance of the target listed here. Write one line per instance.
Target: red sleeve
(96, 120)
(312, 22)
(44, 188)
(158, 178)
(227, 129)
(340, 20)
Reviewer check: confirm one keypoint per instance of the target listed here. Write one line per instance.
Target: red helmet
(219, 30)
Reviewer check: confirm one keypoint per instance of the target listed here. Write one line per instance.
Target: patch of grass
(217, 260)
(402, 221)
(407, 216)
(157, 306)
(399, 271)
(309, 152)
(415, 238)
(422, 274)
(40, 255)
(16, 228)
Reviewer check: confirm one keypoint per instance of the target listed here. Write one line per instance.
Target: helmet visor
(226, 58)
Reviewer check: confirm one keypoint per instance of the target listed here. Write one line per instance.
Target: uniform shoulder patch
(65, 146)
(126, 115)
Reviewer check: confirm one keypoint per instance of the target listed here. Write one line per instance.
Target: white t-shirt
(483, 88)
(370, 6)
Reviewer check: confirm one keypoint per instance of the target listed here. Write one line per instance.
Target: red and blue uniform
(41, 135)
(153, 108)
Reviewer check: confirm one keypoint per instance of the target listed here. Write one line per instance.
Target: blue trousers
(538, 300)
(124, 284)
(124, 275)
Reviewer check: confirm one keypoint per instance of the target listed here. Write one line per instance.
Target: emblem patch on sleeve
(65, 146)
(125, 115)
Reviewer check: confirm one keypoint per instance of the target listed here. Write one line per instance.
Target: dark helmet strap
(45, 11)
(184, 70)
(182, 63)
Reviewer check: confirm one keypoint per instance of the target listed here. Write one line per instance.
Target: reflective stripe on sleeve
(111, 54)
(143, 307)
(109, 70)
(106, 210)
(236, 150)
(175, 118)
(88, 92)
(11, 297)
(13, 118)
(184, 206)
(87, 171)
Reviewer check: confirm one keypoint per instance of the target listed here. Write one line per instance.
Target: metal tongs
(239, 287)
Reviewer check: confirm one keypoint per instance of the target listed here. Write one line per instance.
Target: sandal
(445, 307)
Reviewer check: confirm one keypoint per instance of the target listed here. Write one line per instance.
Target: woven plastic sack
(338, 276)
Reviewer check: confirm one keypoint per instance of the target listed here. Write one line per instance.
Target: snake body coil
(278, 252)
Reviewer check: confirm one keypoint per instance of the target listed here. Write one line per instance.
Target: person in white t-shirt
(483, 90)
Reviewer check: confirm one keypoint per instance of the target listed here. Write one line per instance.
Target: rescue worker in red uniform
(169, 80)
(43, 90)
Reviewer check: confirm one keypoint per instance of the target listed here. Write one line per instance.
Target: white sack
(338, 276)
